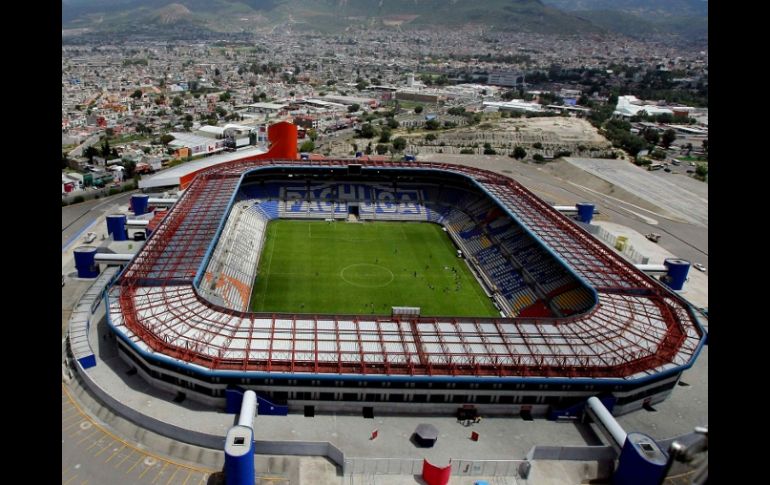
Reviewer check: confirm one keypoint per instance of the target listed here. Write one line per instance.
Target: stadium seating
(232, 268)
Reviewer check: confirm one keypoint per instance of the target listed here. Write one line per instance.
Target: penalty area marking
(372, 284)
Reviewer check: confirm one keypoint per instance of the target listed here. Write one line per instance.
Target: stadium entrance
(353, 215)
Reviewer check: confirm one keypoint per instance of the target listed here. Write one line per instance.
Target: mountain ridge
(332, 15)
(635, 18)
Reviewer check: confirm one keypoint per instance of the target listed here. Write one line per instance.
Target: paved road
(76, 218)
(664, 191)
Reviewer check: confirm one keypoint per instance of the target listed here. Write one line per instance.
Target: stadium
(391, 287)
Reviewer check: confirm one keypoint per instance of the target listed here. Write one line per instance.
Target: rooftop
(637, 329)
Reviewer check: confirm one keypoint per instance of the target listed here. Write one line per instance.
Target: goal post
(405, 311)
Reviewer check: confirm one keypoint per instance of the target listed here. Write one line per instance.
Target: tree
(361, 83)
(519, 153)
(64, 161)
(651, 135)
(418, 109)
(187, 124)
(367, 131)
(224, 97)
(221, 111)
(166, 139)
(668, 137)
(109, 132)
(312, 134)
(177, 102)
(430, 137)
(658, 154)
(538, 157)
(399, 143)
(308, 146)
(537, 145)
(432, 124)
(382, 149)
(368, 149)
(702, 170)
(354, 107)
(137, 94)
(385, 135)
(106, 148)
(130, 168)
(488, 150)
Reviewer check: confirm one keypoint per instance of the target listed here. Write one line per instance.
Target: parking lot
(92, 454)
(682, 195)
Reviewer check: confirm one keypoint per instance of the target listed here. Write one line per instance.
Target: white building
(198, 145)
(630, 106)
(505, 78)
(513, 105)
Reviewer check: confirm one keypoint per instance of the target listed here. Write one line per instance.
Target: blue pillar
(641, 461)
(585, 212)
(233, 400)
(116, 227)
(677, 273)
(139, 203)
(84, 262)
(239, 456)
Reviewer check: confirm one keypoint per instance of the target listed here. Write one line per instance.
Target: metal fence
(69, 199)
(486, 468)
(410, 466)
(382, 466)
(610, 239)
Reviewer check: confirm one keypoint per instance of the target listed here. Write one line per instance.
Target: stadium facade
(576, 319)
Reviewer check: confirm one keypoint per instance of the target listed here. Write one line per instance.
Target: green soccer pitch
(349, 268)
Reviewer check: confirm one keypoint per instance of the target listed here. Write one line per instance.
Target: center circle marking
(376, 274)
